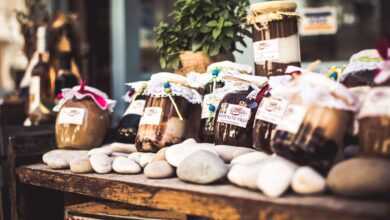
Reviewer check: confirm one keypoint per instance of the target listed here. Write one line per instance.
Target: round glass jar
(275, 37)
(167, 113)
(374, 123)
(83, 118)
(318, 117)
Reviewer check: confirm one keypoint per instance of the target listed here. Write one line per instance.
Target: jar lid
(165, 84)
(230, 67)
(273, 6)
(265, 12)
(82, 92)
(317, 89)
(364, 60)
(136, 88)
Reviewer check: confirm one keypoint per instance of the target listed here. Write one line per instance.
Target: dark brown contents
(276, 29)
(374, 136)
(359, 78)
(171, 129)
(207, 130)
(88, 135)
(261, 134)
(128, 126)
(228, 134)
(318, 140)
(209, 88)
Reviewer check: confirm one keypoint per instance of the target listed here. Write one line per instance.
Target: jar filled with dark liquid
(275, 37)
(374, 123)
(269, 114)
(166, 116)
(234, 119)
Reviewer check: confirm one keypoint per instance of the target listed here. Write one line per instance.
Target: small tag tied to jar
(210, 104)
(292, 118)
(74, 116)
(152, 116)
(272, 109)
(235, 115)
(136, 107)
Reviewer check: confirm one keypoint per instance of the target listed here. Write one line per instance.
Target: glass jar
(275, 37)
(316, 121)
(374, 123)
(234, 119)
(127, 128)
(167, 113)
(83, 118)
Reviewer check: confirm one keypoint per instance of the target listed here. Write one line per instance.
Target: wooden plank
(219, 201)
(118, 210)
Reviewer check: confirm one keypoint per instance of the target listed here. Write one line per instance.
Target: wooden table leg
(39, 203)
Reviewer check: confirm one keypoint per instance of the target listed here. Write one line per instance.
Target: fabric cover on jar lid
(136, 88)
(265, 12)
(179, 86)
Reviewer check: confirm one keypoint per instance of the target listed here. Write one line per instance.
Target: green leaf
(228, 24)
(216, 33)
(163, 63)
(212, 23)
(214, 49)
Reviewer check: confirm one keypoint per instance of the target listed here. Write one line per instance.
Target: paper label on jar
(210, 99)
(271, 109)
(376, 104)
(266, 50)
(74, 116)
(152, 116)
(235, 115)
(136, 107)
(292, 118)
(34, 93)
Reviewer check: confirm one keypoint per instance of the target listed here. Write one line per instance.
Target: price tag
(152, 116)
(235, 115)
(74, 116)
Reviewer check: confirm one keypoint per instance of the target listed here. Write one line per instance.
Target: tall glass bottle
(40, 92)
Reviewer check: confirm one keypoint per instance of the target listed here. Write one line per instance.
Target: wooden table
(219, 201)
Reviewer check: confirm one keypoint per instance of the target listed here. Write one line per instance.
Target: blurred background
(117, 41)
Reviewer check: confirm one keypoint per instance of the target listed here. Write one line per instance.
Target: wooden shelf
(219, 201)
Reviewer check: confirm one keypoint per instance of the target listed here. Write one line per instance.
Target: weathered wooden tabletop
(219, 201)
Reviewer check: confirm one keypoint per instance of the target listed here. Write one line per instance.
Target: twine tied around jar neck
(168, 91)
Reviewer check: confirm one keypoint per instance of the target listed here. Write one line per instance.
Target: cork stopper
(64, 44)
(273, 6)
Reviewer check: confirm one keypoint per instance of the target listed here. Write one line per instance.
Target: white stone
(159, 169)
(227, 152)
(106, 149)
(146, 158)
(308, 181)
(123, 148)
(119, 154)
(250, 158)
(80, 165)
(59, 159)
(125, 165)
(202, 167)
(136, 156)
(275, 176)
(245, 175)
(101, 163)
(176, 153)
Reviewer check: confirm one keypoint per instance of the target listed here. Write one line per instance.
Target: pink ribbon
(83, 91)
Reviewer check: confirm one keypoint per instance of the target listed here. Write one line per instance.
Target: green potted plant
(200, 32)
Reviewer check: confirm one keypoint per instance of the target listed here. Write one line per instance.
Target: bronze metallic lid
(273, 6)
